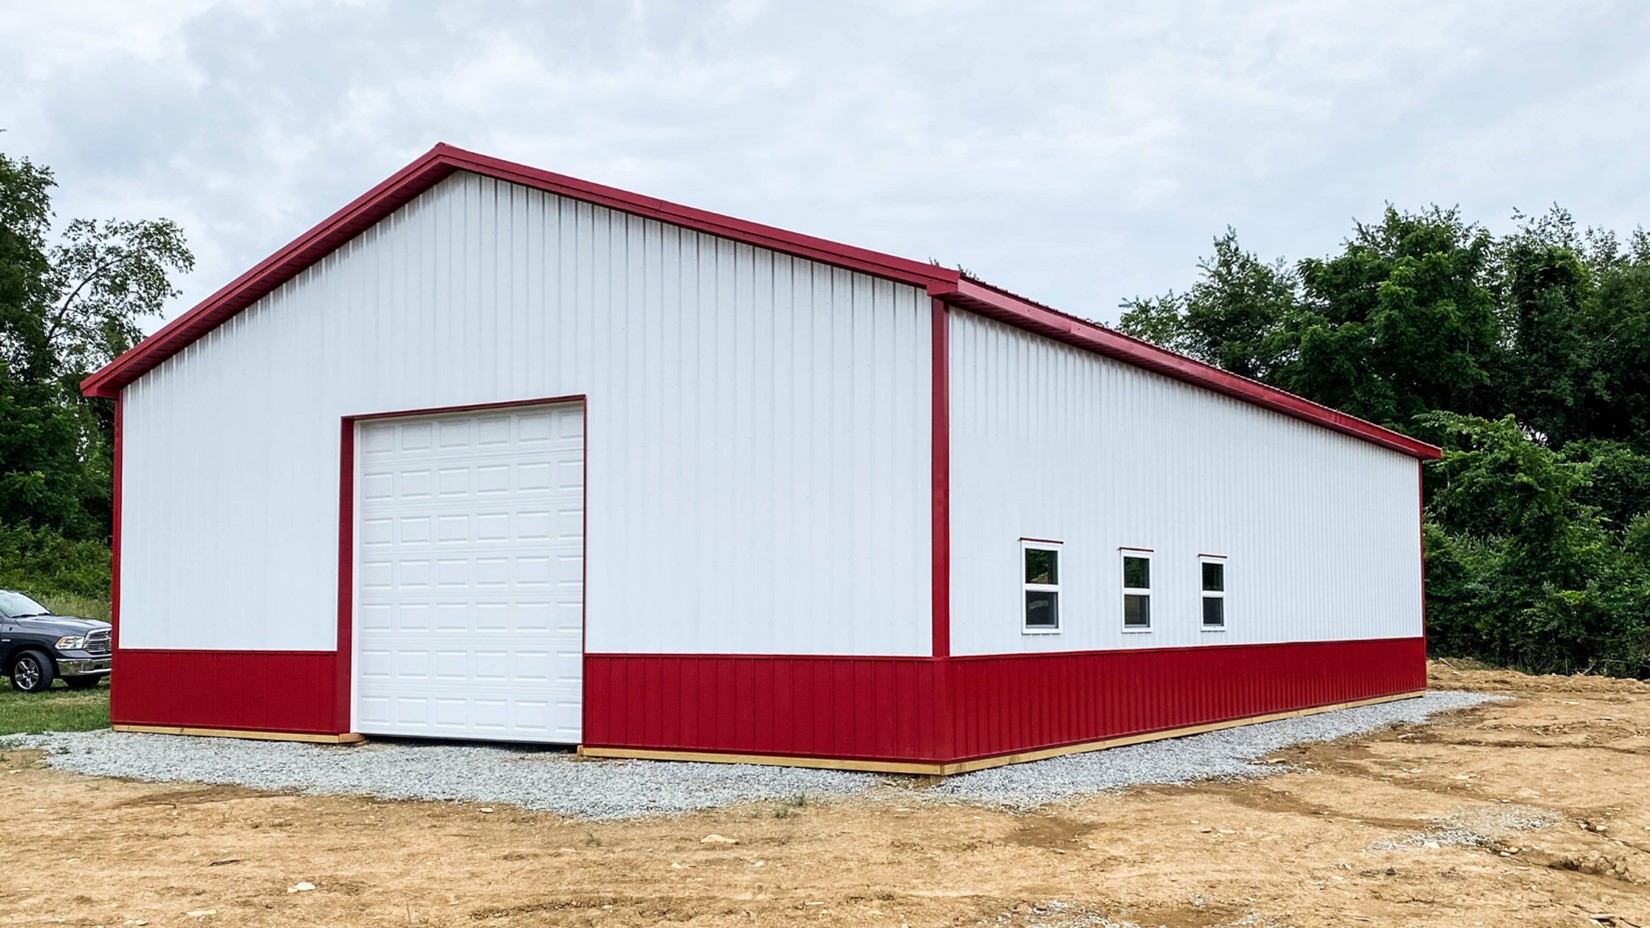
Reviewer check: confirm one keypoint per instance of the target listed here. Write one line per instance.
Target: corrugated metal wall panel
(1008, 704)
(843, 707)
(963, 708)
(758, 429)
(249, 690)
(1049, 441)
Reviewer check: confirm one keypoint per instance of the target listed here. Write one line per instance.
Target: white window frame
(1207, 594)
(1037, 544)
(1144, 554)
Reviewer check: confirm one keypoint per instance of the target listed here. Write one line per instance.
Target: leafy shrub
(44, 564)
(1523, 569)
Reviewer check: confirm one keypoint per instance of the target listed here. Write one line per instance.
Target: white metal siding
(1049, 441)
(758, 443)
(469, 574)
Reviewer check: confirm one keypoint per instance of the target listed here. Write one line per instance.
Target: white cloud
(1074, 152)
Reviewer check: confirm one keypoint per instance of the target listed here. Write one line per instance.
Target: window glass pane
(1137, 572)
(17, 605)
(1214, 577)
(1214, 611)
(1042, 566)
(1042, 609)
(1137, 610)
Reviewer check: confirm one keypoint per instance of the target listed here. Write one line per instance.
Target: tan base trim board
(938, 768)
(346, 738)
(929, 768)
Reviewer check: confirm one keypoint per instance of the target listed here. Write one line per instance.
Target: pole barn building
(494, 453)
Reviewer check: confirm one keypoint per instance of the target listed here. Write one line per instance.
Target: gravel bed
(543, 780)
(1483, 826)
(1222, 755)
(556, 781)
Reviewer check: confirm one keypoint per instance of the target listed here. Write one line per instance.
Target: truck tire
(83, 683)
(32, 672)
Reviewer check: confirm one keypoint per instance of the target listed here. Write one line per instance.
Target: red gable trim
(1022, 313)
(430, 169)
(944, 284)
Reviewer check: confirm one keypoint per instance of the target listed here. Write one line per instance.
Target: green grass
(85, 607)
(57, 709)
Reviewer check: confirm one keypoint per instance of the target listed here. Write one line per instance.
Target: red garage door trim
(344, 687)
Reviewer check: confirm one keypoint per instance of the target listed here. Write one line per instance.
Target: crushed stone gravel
(1482, 826)
(557, 781)
(1223, 755)
(538, 779)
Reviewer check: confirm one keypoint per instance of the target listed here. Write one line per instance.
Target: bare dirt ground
(1424, 825)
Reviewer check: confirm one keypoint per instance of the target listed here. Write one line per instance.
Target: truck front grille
(97, 643)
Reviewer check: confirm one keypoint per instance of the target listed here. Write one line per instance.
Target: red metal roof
(942, 283)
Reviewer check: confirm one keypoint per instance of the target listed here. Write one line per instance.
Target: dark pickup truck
(37, 647)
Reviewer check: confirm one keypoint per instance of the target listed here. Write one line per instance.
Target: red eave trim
(1021, 313)
(433, 167)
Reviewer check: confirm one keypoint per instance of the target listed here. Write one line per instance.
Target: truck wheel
(32, 672)
(83, 683)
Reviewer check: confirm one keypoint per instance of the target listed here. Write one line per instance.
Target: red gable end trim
(942, 283)
(430, 169)
(1022, 313)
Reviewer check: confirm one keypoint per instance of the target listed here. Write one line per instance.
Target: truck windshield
(18, 606)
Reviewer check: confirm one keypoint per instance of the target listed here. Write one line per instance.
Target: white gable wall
(1321, 530)
(758, 431)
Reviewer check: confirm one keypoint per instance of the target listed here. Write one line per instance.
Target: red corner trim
(940, 456)
(1022, 313)
(344, 689)
(114, 537)
(1421, 529)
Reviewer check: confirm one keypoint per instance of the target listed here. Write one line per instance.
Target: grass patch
(57, 709)
(84, 607)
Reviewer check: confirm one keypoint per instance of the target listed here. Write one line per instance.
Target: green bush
(44, 564)
(1524, 566)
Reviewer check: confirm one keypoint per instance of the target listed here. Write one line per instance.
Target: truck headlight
(71, 643)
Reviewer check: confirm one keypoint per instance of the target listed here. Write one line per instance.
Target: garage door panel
(470, 575)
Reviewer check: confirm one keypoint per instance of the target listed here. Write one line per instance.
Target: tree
(1614, 399)
(1230, 317)
(1545, 288)
(1401, 322)
(1520, 569)
(66, 308)
(108, 277)
(25, 218)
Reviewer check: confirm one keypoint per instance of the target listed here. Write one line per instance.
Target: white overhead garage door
(469, 574)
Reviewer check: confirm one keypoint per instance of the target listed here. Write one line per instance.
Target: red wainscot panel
(856, 708)
(1004, 704)
(285, 691)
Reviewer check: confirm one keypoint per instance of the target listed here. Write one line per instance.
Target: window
(18, 606)
(1214, 593)
(1137, 590)
(1042, 586)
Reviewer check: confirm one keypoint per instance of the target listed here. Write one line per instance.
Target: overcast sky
(1076, 153)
